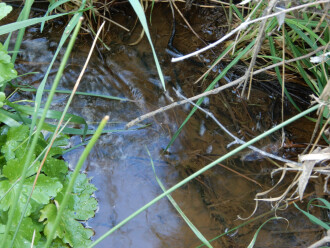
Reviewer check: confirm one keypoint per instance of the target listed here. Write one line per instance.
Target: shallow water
(119, 164)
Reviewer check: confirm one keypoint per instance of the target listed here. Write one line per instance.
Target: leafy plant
(7, 71)
(47, 195)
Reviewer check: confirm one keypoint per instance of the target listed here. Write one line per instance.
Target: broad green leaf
(24, 235)
(81, 206)
(4, 118)
(15, 136)
(69, 230)
(14, 167)
(7, 71)
(45, 189)
(55, 167)
(4, 10)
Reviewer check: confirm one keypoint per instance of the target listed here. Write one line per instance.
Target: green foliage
(4, 10)
(7, 71)
(311, 217)
(47, 195)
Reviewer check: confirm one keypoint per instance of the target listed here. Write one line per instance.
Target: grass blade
(176, 206)
(67, 32)
(140, 13)
(24, 88)
(74, 176)
(24, 15)
(253, 241)
(210, 87)
(313, 219)
(199, 172)
(4, 118)
(35, 138)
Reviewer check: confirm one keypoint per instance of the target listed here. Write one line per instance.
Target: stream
(119, 165)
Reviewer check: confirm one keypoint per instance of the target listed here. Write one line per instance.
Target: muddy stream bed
(119, 164)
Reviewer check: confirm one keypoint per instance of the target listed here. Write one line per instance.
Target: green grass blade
(51, 7)
(238, 13)
(23, 24)
(298, 27)
(24, 88)
(210, 87)
(253, 241)
(325, 202)
(51, 114)
(278, 74)
(67, 32)
(66, 130)
(178, 209)
(199, 172)
(25, 15)
(312, 218)
(140, 13)
(301, 70)
(4, 118)
(35, 138)
(74, 176)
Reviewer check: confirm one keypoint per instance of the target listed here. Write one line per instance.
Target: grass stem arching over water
(207, 167)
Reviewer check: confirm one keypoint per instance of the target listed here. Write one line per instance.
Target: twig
(257, 46)
(214, 91)
(243, 26)
(321, 242)
(233, 171)
(237, 140)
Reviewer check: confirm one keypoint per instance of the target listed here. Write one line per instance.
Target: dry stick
(237, 140)
(321, 242)
(320, 134)
(283, 83)
(212, 92)
(185, 20)
(257, 47)
(243, 26)
(233, 171)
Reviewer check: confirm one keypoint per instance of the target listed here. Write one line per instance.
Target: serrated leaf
(69, 230)
(7, 71)
(24, 236)
(15, 136)
(4, 10)
(81, 206)
(45, 189)
(55, 167)
(81, 202)
(14, 167)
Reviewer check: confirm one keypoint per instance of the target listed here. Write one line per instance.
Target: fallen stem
(214, 91)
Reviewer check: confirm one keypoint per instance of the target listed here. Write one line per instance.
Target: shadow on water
(119, 164)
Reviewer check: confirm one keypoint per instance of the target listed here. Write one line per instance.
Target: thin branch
(214, 91)
(236, 139)
(243, 26)
(257, 46)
